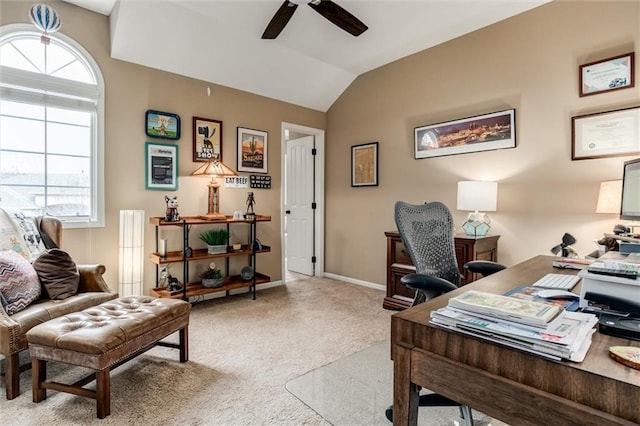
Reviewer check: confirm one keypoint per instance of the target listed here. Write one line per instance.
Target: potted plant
(216, 240)
(212, 277)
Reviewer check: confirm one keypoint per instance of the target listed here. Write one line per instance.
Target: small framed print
(161, 166)
(252, 150)
(207, 139)
(364, 164)
(162, 125)
(606, 75)
(606, 134)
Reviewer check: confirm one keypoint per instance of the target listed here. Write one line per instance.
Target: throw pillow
(58, 274)
(20, 234)
(19, 283)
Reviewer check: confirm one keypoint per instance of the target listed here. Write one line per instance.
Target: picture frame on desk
(606, 134)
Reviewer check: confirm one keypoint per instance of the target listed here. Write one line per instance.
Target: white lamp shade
(131, 252)
(477, 196)
(609, 197)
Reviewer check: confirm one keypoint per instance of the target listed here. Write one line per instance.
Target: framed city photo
(207, 139)
(486, 132)
(161, 166)
(606, 75)
(364, 164)
(252, 150)
(163, 125)
(606, 134)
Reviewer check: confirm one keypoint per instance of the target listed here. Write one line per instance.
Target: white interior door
(299, 197)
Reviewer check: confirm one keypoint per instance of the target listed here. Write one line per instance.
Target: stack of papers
(537, 327)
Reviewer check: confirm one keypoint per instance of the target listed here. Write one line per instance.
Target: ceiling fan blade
(279, 20)
(339, 16)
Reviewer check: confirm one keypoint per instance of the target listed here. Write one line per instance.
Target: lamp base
(213, 216)
(477, 225)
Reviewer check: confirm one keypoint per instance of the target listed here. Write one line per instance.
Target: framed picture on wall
(252, 150)
(163, 125)
(607, 75)
(364, 164)
(207, 139)
(496, 130)
(606, 134)
(161, 166)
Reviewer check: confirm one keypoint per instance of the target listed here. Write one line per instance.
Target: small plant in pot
(212, 277)
(216, 240)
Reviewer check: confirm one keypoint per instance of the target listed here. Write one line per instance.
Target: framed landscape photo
(207, 139)
(163, 125)
(607, 74)
(161, 166)
(252, 150)
(364, 164)
(486, 132)
(606, 134)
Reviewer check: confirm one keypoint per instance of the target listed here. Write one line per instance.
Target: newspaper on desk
(566, 335)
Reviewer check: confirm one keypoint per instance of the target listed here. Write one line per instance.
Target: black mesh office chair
(427, 233)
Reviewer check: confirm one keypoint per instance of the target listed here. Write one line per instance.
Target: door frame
(319, 192)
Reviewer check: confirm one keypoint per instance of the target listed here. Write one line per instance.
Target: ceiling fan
(328, 9)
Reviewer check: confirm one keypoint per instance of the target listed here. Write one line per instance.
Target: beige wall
(530, 63)
(130, 91)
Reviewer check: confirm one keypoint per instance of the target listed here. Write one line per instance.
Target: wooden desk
(511, 385)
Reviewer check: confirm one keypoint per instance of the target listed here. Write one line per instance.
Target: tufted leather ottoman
(102, 338)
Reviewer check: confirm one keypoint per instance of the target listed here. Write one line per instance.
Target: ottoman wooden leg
(184, 344)
(12, 375)
(103, 393)
(38, 377)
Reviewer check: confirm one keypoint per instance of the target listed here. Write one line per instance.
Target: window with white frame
(51, 128)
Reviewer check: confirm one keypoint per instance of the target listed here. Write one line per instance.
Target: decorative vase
(216, 249)
(212, 282)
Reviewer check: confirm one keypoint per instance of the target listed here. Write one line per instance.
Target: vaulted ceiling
(310, 63)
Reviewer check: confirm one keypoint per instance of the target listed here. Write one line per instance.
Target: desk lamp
(610, 197)
(214, 169)
(475, 196)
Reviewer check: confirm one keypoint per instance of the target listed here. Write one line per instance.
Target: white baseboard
(374, 286)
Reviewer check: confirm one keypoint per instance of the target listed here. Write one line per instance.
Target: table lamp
(214, 169)
(609, 197)
(476, 196)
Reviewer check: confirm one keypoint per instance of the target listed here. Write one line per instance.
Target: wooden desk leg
(38, 377)
(103, 393)
(405, 393)
(184, 344)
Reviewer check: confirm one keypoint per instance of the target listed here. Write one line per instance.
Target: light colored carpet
(357, 389)
(242, 353)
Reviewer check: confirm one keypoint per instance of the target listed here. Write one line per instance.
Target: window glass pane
(21, 134)
(68, 139)
(33, 50)
(11, 57)
(57, 57)
(74, 71)
(68, 116)
(18, 167)
(24, 198)
(68, 201)
(20, 109)
(68, 171)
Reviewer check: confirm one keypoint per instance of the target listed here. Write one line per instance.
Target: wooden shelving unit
(193, 289)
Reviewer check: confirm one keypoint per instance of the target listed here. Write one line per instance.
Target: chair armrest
(9, 334)
(483, 267)
(427, 283)
(91, 279)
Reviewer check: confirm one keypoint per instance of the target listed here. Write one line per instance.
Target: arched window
(51, 127)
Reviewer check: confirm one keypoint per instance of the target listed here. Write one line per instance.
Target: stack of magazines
(538, 327)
